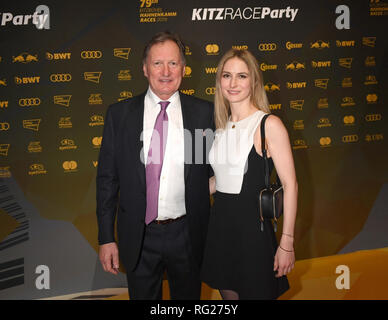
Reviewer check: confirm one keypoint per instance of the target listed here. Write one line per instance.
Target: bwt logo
(40, 18)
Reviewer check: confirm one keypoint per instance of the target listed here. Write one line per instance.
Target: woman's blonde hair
(258, 95)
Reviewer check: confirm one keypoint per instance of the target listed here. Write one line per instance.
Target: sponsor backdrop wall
(63, 62)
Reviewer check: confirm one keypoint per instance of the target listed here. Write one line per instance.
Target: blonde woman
(240, 260)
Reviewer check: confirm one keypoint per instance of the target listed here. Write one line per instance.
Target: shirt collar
(155, 99)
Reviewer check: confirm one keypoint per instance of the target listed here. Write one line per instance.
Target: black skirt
(238, 256)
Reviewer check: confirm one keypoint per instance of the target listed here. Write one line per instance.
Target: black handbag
(271, 196)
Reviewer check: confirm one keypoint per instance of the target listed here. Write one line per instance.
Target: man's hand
(109, 257)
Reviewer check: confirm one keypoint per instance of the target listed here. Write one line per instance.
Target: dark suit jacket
(121, 182)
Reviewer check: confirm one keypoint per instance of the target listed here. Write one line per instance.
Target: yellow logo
(3, 82)
(124, 75)
(371, 98)
(60, 77)
(189, 92)
(323, 123)
(321, 64)
(290, 45)
(350, 138)
(147, 3)
(267, 46)
(368, 80)
(96, 141)
(319, 45)
(95, 164)
(210, 91)
(70, 166)
(345, 43)
(34, 147)
(95, 98)
(122, 53)
(277, 106)
(349, 120)
(345, 62)
(373, 117)
(271, 87)
(37, 169)
(65, 122)
(299, 144)
(296, 85)
(27, 80)
(323, 103)
(5, 172)
(188, 51)
(369, 41)
(93, 76)
(368, 138)
(4, 147)
(242, 47)
(347, 83)
(210, 70)
(67, 144)
(297, 104)
(295, 66)
(29, 102)
(63, 100)
(298, 125)
(187, 72)
(25, 58)
(58, 56)
(265, 67)
(91, 54)
(125, 95)
(96, 120)
(32, 124)
(370, 61)
(4, 126)
(321, 83)
(3, 104)
(325, 142)
(212, 49)
(347, 102)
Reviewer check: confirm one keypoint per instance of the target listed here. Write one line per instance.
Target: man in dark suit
(153, 173)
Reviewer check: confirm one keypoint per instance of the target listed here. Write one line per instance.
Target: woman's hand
(284, 257)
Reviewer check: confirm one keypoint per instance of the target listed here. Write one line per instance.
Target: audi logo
(91, 54)
(267, 46)
(60, 77)
(350, 138)
(27, 102)
(210, 90)
(4, 126)
(373, 117)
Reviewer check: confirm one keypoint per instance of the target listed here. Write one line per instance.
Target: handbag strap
(264, 153)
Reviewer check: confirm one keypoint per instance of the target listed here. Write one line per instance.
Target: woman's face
(235, 81)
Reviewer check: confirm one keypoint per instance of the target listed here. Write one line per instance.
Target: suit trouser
(166, 247)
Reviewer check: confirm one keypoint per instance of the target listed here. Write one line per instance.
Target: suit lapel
(187, 114)
(135, 121)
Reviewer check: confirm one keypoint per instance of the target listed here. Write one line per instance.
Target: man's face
(164, 69)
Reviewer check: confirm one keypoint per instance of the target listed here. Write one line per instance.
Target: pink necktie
(155, 163)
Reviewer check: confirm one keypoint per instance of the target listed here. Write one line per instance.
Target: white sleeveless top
(229, 153)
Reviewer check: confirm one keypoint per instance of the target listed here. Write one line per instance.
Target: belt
(168, 220)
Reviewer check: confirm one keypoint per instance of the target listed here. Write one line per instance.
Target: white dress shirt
(171, 203)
